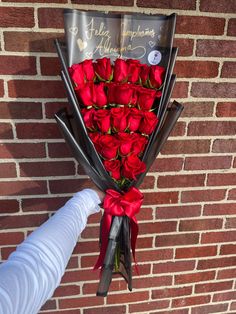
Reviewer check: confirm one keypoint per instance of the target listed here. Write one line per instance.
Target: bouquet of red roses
(120, 121)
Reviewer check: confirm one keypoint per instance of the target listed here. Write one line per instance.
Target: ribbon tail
(134, 235)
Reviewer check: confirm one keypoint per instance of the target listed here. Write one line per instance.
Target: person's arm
(32, 273)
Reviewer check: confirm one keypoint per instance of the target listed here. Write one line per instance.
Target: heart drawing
(73, 30)
(82, 44)
(151, 44)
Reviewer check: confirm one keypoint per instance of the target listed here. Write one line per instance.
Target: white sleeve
(32, 273)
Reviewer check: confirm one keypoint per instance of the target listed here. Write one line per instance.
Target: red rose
(77, 74)
(148, 122)
(139, 143)
(103, 120)
(156, 76)
(134, 118)
(146, 97)
(123, 94)
(95, 139)
(108, 146)
(103, 69)
(119, 118)
(100, 95)
(88, 116)
(126, 142)
(132, 166)
(133, 70)
(86, 94)
(113, 167)
(144, 73)
(120, 71)
(88, 70)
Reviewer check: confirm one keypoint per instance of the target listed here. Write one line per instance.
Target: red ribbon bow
(117, 204)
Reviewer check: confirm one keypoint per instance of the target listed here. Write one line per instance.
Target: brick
(177, 239)
(201, 69)
(37, 1)
(180, 90)
(30, 41)
(207, 163)
(174, 181)
(90, 232)
(51, 108)
(166, 165)
(6, 131)
(228, 249)
(80, 302)
(221, 179)
(178, 211)
(7, 170)
(37, 131)
(160, 227)
(50, 66)
(226, 109)
(224, 296)
(77, 311)
(226, 273)
(228, 69)
(198, 109)
(186, 147)
(69, 186)
(42, 204)
(59, 150)
(174, 4)
(105, 2)
(148, 183)
(128, 297)
(215, 48)
(200, 224)
(67, 290)
(154, 255)
(194, 277)
(16, 17)
(213, 286)
(179, 129)
(9, 206)
(49, 305)
(202, 196)
(213, 90)
(200, 25)
(219, 209)
(11, 238)
(214, 237)
(1, 88)
(50, 18)
(231, 27)
(6, 251)
(224, 146)
(36, 89)
(148, 306)
(106, 310)
(204, 128)
(160, 198)
(185, 46)
(221, 7)
(216, 263)
(173, 267)
(22, 221)
(46, 169)
(233, 306)
(171, 292)
(152, 282)
(145, 214)
(79, 275)
(86, 247)
(232, 194)
(22, 150)
(180, 311)
(214, 308)
(15, 65)
(195, 251)
(23, 188)
(183, 302)
(20, 110)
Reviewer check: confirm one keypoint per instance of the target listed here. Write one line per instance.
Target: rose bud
(102, 120)
(77, 74)
(133, 70)
(126, 142)
(139, 143)
(86, 94)
(113, 167)
(146, 97)
(120, 71)
(95, 139)
(119, 118)
(156, 76)
(88, 116)
(148, 122)
(144, 73)
(108, 145)
(132, 166)
(100, 95)
(134, 118)
(88, 70)
(103, 69)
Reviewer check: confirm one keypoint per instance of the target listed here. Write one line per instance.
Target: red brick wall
(187, 242)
